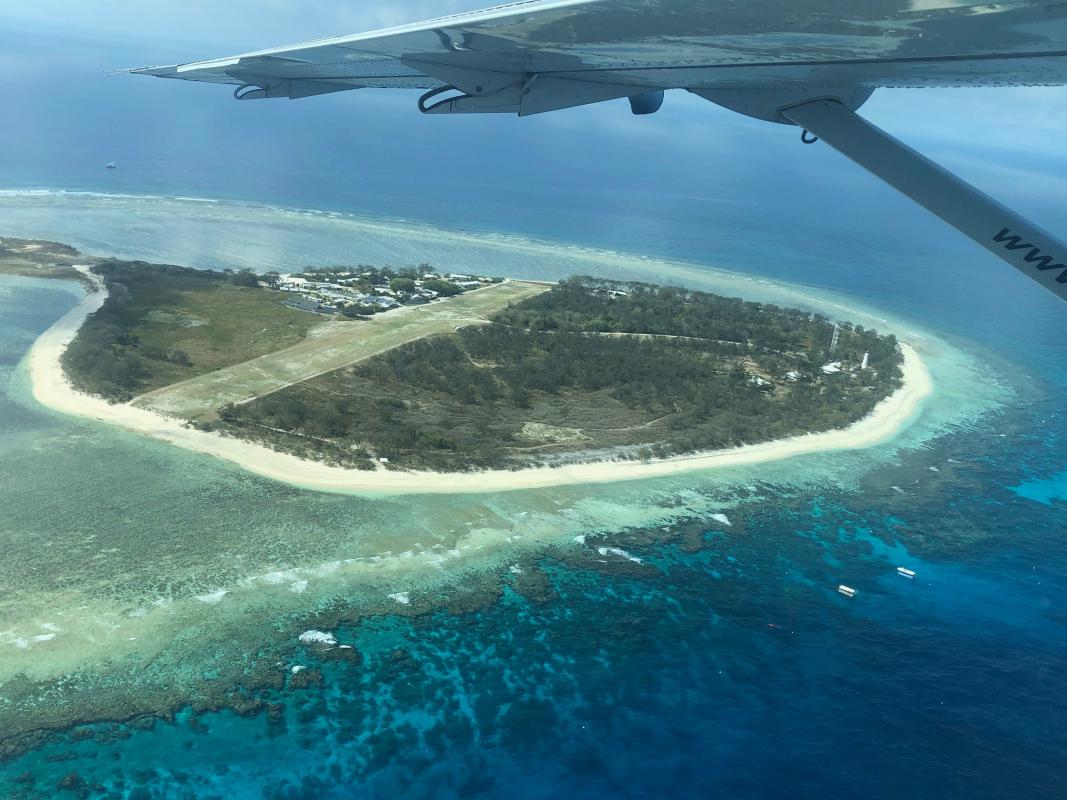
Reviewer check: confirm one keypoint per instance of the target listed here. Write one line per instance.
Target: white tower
(833, 341)
(866, 359)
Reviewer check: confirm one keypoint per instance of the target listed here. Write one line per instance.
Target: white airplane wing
(810, 63)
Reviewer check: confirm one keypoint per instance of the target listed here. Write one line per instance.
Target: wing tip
(156, 71)
(179, 70)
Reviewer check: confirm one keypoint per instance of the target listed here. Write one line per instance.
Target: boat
(907, 573)
(847, 591)
(111, 165)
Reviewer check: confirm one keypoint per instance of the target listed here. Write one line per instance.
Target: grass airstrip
(330, 346)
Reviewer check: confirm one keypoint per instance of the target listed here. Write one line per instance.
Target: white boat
(907, 573)
(111, 165)
(847, 591)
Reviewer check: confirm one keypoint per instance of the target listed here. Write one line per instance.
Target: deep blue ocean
(725, 666)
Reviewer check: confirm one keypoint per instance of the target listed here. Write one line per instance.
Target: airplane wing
(810, 63)
(636, 45)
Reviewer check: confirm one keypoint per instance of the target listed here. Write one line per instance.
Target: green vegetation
(163, 324)
(245, 277)
(592, 369)
(590, 304)
(442, 287)
(39, 259)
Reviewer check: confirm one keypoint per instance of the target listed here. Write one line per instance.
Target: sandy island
(52, 389)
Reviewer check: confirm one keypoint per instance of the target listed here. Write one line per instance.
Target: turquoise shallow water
(1044, 490)
(724, 663)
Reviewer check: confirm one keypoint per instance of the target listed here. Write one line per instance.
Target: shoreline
(51, 389)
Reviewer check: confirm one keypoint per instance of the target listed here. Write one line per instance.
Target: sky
(71, 116)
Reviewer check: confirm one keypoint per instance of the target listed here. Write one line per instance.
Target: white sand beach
(52, 389)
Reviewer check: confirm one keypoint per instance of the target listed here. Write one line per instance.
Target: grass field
(328, 346)
(162, 324)
(218, 326)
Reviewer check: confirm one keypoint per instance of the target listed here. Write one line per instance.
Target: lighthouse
(866, 359)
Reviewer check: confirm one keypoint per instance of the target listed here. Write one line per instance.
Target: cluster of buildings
(832, 368)
(835, 367)
(334, 292)
(604, 291)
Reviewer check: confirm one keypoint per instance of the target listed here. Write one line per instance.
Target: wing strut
(1031, 250)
